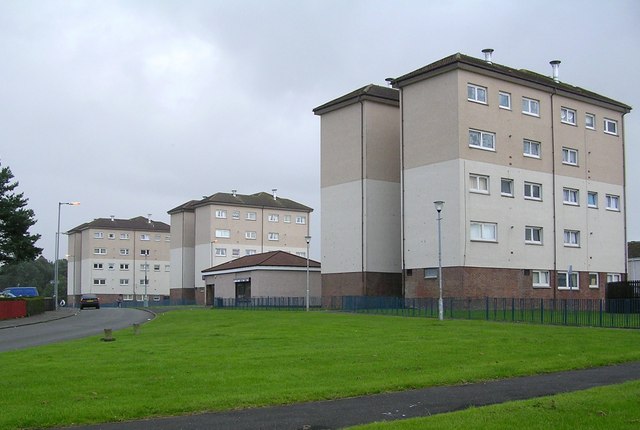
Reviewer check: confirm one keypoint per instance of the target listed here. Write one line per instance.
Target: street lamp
(55, 264)
(308, 239)
(439, 205)
(146, 281)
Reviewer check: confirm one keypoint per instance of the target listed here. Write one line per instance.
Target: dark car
(89, 301)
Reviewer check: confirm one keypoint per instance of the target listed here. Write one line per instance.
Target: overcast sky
(134, 107)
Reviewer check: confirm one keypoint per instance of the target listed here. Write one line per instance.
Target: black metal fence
(288, 303)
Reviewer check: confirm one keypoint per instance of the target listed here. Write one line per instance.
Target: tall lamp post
(146, 280)
(308, 239)
(55, 264)
(439, 204)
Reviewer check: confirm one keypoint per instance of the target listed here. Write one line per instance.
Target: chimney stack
(274, 190)
(487, 55)
(149, 218)
(113, 217)
(556, 69)
(234, 192)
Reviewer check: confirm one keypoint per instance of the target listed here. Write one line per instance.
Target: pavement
(40, 318)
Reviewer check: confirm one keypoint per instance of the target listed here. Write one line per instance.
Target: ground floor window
(243, 290)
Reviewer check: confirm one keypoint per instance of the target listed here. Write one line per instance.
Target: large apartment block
(531, 171)
(114, 257)
(225, 226)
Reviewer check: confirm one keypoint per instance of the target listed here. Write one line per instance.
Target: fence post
(486, 308)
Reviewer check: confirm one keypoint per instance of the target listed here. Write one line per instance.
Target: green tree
(16, 244)
(37, 273)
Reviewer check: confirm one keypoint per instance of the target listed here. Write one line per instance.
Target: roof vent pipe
(234, 192)
(149, 218)
(275, 197)
(487, 55)
(556, 68)
(113, 217)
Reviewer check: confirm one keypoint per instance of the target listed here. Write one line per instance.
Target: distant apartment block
(113, 257)
(531, 170)
(226, 226)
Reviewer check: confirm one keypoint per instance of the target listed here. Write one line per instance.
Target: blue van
(23, 291)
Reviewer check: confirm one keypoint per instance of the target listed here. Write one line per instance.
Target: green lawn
(203, 360)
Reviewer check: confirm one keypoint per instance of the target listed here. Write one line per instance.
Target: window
(127, 297)
(221, 213)
(124, 236)
(124, 266)
(124, 282)
(479, 183)
(223, 233)
(569, 156)
(97, 266)
(251, 216)
(530, 106)
(274, 217)
(613, 202)
(144, 267)
(167, 238)
(99, 282)
(531, 148)
(301, 254)
(533, 235)
(251, 235)
(235, 252)
(156, 267)
(571, 238)
(274, 236)
(476, 93)
(482, 140)
(532, 191)
(431, 272)
(235, 214)
(98, 235)
(301, 219)
(221, 252)
(613, 277)
(144, 252)
(570, 196)
(157, 238)
(111, 236)
(506, 187)
(590, 121)
(142, 282)
(610, 126)
(287, 218)
(483, 231)
(504, 100)
(540, 278)
(568, 116)
(100, 251)
(593, 280)
(145, 237)
(124, 251)
(167, 267)
(250, 252)
(573, 281)
(592, 199)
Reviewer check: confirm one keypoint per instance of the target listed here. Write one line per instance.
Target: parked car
(22, 291)
(7, 295)
(89, 301)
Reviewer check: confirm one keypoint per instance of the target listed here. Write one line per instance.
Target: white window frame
(221, 252)
(301, 219)
(251, 216)
(124, 282)
(221, 213)
(566, 156)
(250, 252)
(167, 238)
(478, 183)
(98, 266)
(609, 124)
(100, 251)
(528, 107)
(475, 92)
(431, 273)
(528, 151)
(144, 267)
(167, 267)
(568, 116)
(590, 125)
(597, 279)
(543, 276)
(485, 228)
(506, 181)
(144, 252)
(570, 196)
(575, 285)
(235, 215)
(99, 281)
(235, 252)
(529, 235)
(124, 251)
(156, 267)
(611, 206)
(124, 266)
(124, 236)
(595, 199)
(286, 219)
(157, 237)
(272, 236)
(481, 140)
(614, 277)
(250, 235)
(127, 297)
(145, 237)
(111, 236)
(98, 235)
(223, 233)
(530, 195)
(571, 238)
(507, 95)
(274, 218)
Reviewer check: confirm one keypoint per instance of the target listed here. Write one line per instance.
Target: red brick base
(361, 284)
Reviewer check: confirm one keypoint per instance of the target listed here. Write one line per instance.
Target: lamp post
(146, 281)
(439, 205)
(308, 239)
(55, 264)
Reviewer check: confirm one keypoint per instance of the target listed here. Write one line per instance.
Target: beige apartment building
(226, 226)
(531, 170)
(114, 257)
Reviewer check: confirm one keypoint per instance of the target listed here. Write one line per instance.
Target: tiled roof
(138, 223)
(369, 92)
(258, 200)
(459, 60)
(266, 259)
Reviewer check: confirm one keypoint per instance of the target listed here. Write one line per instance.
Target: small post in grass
(108, 336)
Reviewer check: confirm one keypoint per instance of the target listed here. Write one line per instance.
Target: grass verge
(203, 360)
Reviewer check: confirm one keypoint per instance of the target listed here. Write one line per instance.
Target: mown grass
(603, 408)
(203, 360)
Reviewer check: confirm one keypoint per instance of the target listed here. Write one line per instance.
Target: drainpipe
(362, 202)
(553, 176)
(624, 197)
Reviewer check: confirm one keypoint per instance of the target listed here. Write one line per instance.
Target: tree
(37, 273)
(16, 244)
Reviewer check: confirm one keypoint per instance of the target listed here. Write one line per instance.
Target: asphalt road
(88, 322)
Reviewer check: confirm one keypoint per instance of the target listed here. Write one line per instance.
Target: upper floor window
(274, 217)
(223, 233)
(221, 213)
(98, 235)
(613, 202)
(590, 121)
(97, 266)
(221, 252)
(274, 236)
(124, 251)
(504, 100)
(249, 251)
(533, 235)
(251, 216)
(610, 126)
(124, 236)
(482, 140)
(570, 196)
(124, 266)
(111, 236)
(483, 231)
(235, 215)
(531, 148)
(145, 237)
(479, 183)
(569, 156)
(506, 187)
(100, 251)
(301, 219)
(530, 106)
(592, 199)
(571, 238)
(568, 116)
(144, 252)
(251, 235)
(476, 93)
(157, 238)
(532, 191)
(99, 282)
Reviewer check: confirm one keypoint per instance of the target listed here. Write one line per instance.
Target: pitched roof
(257, 200)
(523, 76)
(370, 92)
(138, 223)
(265, 259)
